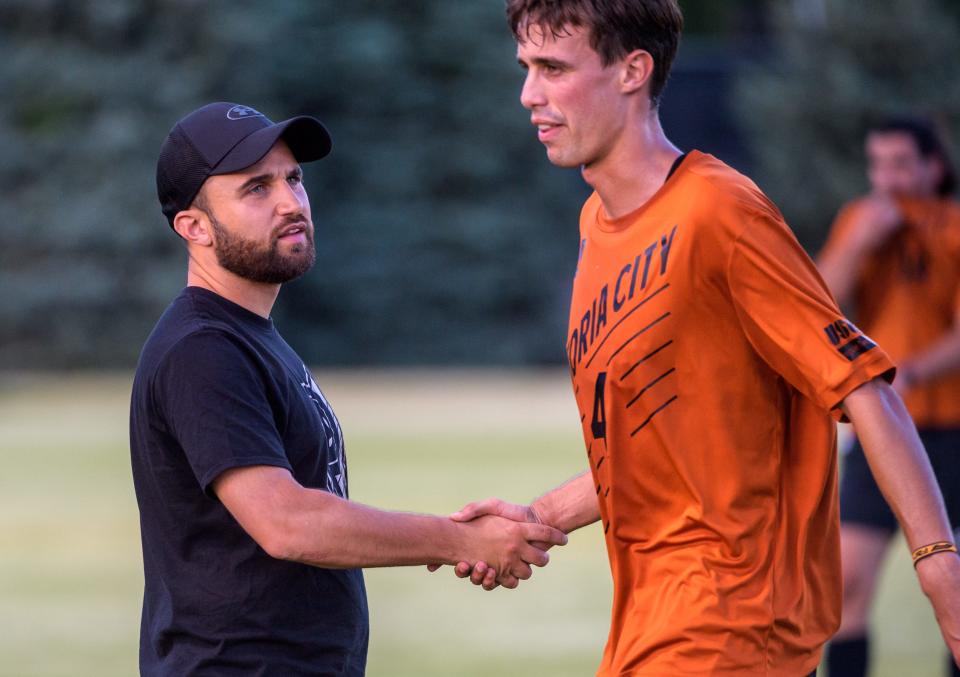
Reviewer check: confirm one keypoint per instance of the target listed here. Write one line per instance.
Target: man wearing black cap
(251, 547)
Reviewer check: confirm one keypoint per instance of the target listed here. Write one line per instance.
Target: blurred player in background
(707, 359)
(893, 258)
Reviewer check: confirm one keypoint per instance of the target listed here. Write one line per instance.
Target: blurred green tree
(89, 89)
(837, 65)
(445, 236)
(443, 233)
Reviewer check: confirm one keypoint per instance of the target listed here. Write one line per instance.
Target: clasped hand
(508, 539)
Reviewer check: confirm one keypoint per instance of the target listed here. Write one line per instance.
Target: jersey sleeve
(792, 321)
(215, 404)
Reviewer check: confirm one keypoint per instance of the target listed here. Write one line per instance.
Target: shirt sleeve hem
(206, 481)
(879, 366)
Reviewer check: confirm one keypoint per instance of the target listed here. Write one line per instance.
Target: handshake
(503, 541)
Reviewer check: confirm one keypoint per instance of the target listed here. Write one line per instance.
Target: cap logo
(241, 112)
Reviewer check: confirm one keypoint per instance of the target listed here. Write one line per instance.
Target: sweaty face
(260, 219)
(574, 100)
(896, 167)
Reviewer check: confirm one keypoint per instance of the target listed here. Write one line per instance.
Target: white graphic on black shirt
(337, 467)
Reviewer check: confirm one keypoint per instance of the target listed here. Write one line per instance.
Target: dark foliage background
(833, 67)
(444, 235)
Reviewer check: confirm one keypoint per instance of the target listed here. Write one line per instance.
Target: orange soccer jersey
(706, 356)
(908, 295)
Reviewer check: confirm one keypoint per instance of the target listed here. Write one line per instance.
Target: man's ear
(637, 71)
(193, 225)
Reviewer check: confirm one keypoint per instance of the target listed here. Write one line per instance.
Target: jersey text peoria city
(634, 278)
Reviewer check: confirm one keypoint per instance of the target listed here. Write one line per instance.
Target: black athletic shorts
(861, 501)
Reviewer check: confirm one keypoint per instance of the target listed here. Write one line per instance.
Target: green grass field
(70, 567)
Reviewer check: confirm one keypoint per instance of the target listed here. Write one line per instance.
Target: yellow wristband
(932, 549)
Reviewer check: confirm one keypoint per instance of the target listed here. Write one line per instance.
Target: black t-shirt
(218, 388)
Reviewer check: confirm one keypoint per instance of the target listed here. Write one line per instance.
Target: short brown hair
(617, 27)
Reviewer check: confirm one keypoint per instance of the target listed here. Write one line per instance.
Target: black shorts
(861, 501)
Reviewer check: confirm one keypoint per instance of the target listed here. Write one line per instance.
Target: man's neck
(256, 297)
(634, 170)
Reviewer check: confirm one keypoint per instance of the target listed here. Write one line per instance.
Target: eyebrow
(543, 61)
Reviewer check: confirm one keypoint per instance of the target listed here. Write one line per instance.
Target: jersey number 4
(599, 423)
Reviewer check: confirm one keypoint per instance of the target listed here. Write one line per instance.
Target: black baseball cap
(222, 138)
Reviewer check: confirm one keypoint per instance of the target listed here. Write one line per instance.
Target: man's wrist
(535, 514)
(544, 513)
(931, 549)
(456, 542)
(862, 243)
(942, 569)
(540, 513)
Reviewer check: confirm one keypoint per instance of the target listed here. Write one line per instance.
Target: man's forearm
(295, 523)
(571, 505)
(903, 473)
(898, 462)
(330, 532)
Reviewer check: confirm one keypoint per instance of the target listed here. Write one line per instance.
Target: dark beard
(261, 263)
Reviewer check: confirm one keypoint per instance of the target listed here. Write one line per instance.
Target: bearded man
(251, 547)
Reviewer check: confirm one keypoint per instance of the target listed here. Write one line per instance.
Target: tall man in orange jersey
(894, 255)
(709, 363)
